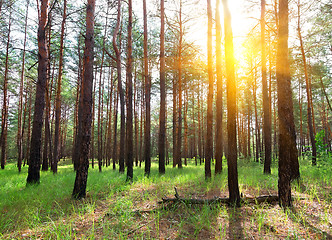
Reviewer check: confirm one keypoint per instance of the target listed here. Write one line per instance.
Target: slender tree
(85, 108)
(34, 160)
(219, 104)
(57, 129)
(209, 139)
(287, 137)
(129, 145)
(233, 185)
(120, 90)
(266, 101)
(162, 117)
(4, 117)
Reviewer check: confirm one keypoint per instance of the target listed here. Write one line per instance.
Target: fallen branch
(218, 200)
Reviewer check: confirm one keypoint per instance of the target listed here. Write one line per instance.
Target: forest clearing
(116, 209)
(155, 119)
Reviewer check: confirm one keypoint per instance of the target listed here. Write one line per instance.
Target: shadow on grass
(235, 223)
(296, 217)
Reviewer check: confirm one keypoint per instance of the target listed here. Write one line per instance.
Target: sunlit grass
(109, 209)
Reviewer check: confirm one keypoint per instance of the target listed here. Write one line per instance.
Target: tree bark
(219, 103)
(4, 117)
(57, 129)
(287, 137)
(209, 138)
(266, 101)
(20, 105)
(162, 117)
(85, 107)
(34, 161)
(120, 90)
(129, 121)
(233, 185)
(308, 86)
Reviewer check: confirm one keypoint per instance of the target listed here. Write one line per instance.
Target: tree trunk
(129, 129)
(120, 90)
(308, 86)
(209, 139)
(266, 101)
(57, 130)
(85, 108)
(34, 161)
(4, 119)
(162, 117)
(287, 137)
(233, 186)
(219, 103)
(20, 105)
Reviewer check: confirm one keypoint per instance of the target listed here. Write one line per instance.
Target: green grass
(47, 210)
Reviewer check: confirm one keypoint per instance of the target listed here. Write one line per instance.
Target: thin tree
(162, 117)
(219, 104)
(233, 185)
(85, 108)
(266, 101)
(4, 117)
(209, 139)
(308, 89)
(287, 137)
(20, 104)
(120, 90)
(37, 125)
(57, 129)
(129, 142)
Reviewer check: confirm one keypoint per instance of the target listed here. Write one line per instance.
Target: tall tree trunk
(179, 68)
(130, 97)
(308, 85)
(57, 130)
(85, 107)
(219, 103)
(174, 121)
(287, 137)
(115, 125)
(209, 139)
(266, 101)
(34, 161)
(162, 117)
(20, 104)
(233, 185)
(4, 117)
(147, 132)
(120, 90)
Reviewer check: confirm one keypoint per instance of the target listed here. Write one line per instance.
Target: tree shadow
(235, 223)
(298, 218)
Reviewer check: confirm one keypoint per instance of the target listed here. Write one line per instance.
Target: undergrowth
(112, 207)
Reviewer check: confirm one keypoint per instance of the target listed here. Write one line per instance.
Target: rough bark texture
(219, 104)
(209, 138)
(129, 145)
(233, 185)
(287, 138)
(266, 101)
(162, 117)
(85, 107)
(34, 160)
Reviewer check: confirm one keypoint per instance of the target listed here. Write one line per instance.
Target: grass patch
(47, 211)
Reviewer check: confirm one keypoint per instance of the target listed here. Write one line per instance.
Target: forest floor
(115, 209)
